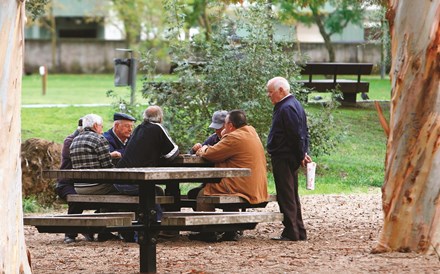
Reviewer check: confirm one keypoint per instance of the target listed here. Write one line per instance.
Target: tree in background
(331, 16)
(203, 14)
(142, 20)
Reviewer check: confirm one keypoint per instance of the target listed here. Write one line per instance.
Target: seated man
(65, 187)
(240, 147)
(218, 124)
(119, 134)
(91, 150)
(149, 142)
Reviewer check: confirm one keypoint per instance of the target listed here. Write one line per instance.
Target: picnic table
(173, 199)
(147, 224)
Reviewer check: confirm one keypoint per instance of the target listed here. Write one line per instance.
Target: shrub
(238, 61)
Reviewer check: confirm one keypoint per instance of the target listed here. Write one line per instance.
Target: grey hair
(153, 114)
(278, 82)
(90, 119)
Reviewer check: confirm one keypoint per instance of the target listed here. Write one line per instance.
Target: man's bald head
(153, 114)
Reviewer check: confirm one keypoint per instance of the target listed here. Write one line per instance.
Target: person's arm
(195, 148)
(210, 141)
(219, 152)
(170, 150)
(292, 128)
(102, 151)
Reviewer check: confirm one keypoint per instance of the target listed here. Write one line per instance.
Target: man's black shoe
(89, 237)
(209, 237)
(281, 238)
(231, 236)
(105, 236)
(68, 240)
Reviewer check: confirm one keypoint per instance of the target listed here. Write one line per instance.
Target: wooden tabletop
(187, 160)
(147, 173)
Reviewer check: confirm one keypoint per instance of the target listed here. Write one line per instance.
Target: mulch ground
(342, 231)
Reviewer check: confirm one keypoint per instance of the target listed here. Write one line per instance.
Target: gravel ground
(342, 230)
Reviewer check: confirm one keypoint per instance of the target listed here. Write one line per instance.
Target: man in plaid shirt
(91, 150)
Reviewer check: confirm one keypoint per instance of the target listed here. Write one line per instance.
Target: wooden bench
(233, 202)
(123, 221)
(349, 88)
(118, 202)
(216, 221)
(80, 223)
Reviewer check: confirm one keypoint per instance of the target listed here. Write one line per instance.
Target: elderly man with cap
(119, 134)
(218, 124)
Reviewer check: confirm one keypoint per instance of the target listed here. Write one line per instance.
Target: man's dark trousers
(285, 172)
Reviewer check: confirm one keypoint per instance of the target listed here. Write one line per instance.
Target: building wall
(72, 55)
(96, 56)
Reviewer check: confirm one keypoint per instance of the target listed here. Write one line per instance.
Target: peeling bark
(411, 189)
(13, 258)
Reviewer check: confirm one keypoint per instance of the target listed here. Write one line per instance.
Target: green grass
(76, 89)
(357, 165)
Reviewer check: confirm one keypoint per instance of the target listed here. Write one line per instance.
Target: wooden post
(13, 255)
(43, 73)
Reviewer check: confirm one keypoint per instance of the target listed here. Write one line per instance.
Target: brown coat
(241, 148)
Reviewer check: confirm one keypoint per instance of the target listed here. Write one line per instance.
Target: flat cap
(218, 119)
(123, 116)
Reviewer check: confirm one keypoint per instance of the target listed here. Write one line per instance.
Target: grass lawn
(357, 165)
(91, 89)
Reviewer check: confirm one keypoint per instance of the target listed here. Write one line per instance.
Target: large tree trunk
(411, 191)
(12, 246)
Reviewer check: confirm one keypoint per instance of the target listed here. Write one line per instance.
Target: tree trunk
(12, 246)
(411, 190)
(327, 40)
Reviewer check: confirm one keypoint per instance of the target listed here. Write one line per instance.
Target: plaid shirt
(90, 150)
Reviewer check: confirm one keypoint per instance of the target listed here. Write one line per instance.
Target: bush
(238, 61)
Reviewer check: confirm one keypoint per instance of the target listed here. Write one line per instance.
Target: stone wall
(96, 56)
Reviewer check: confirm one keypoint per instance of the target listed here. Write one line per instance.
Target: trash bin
(122, 72)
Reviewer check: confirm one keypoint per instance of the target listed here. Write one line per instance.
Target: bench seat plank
(118, 199)
(217, 218)
(346, 86)
(223, 199)
(82, 220)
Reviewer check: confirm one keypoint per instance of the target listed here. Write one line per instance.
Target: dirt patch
(342, 230)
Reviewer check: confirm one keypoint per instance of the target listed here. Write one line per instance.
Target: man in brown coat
(240, 147)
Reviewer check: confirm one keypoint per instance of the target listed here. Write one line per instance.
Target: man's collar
(118, 137)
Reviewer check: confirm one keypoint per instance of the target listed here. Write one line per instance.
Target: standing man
(119, 134)
(287, 144)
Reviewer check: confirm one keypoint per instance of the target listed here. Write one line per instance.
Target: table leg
(173, 189)
(147, 237)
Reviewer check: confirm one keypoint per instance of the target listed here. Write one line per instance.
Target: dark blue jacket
(288, 137)
(210, 141)
(114, 142)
